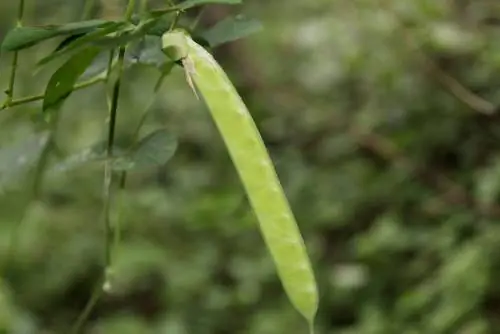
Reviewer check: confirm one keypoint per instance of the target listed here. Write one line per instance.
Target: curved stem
(111, 239)
(34, 98)
(130, 10)
(197, 20)
(108, 173)
(87, 310)
(144, 6)
(13, 71)
(87, 9)
(100, 288)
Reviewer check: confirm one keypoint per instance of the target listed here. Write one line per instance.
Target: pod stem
(311, 327)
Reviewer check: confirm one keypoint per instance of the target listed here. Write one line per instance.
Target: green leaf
(68, 40)
(231, 29)
(84, 41)
(162, 25)
(153, 150)
(140, 31)
(195, 3)
(24, 37)
(62, 81)
(94, 155)
(148, 52)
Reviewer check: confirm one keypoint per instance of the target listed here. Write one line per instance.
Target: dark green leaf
(135, 34)
(195, 3)
(231, 29)
(84, 41)
(147, 51)
(162, 25)
(62, 81)
(65, 42)
(24, 37)
(201, 40)
(153, 150)
(94, 155)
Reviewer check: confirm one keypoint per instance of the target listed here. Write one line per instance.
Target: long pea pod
(254, 166)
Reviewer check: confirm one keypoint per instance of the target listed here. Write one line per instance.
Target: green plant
(84, 41)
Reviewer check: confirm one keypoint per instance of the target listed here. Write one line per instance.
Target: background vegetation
(382, 118)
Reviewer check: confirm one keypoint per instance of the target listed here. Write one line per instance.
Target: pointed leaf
(231, 29)
(162, 25)
(68, 40)
(153, 150)
(93, 155)
(195, 3)
(83, 41)
(148, 52)
(24, 37)
(62, 81)
(138, 32)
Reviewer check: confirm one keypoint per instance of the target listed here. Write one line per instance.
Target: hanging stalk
(13, 71)
(108, 173)
(111, 237)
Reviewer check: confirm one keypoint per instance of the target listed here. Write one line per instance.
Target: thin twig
(123, 175)
(198, 18)
(109, 242)
(34, 98)
(461, 93)
(144, 6)
(108, 174)
(451, 84)
(13, 69)
(96, 295)
(80, 321)
(87, 9)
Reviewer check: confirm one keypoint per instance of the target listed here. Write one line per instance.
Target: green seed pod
(256, 171)
(174, 45)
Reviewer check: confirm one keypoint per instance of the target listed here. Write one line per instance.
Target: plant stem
(96, 294)
(108, 174)
(106, 284)
(87, 9)
(34, 98)
(130, 10)
(13, 71)
(144, 6)
(103, 280)
(123, 175)
(196, 21)
(175, 20)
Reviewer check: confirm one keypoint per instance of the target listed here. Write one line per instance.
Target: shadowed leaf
(24, 37)
(62, 81)
(153, 150)
(231, 29)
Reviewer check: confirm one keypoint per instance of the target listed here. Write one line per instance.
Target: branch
(29, 99)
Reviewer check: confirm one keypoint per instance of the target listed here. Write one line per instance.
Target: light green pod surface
(258, 176)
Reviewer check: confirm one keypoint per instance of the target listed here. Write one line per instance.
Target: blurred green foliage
(381, 117)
